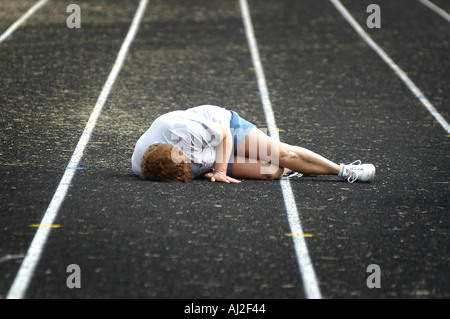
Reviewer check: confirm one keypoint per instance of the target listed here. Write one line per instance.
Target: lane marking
(400, 73)
(35, 250)
(45, 225)
(294, 235)
(11, 257)
(21, 20)
(436, 9)
(306, 268)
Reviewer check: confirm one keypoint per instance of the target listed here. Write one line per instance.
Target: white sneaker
(357, 172)
(292, 174)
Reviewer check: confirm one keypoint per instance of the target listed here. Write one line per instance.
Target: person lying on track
(216, 143)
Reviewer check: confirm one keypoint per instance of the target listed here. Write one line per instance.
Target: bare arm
(224, 150)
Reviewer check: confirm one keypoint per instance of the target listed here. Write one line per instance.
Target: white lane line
(414, 89)
(35, 250)
(307, 272)
(22, 19)
(436, 9)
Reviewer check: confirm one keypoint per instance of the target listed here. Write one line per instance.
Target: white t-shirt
(193, 131)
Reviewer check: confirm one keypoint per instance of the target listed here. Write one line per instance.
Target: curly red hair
(165, 162)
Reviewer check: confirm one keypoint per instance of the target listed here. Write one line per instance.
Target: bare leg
(305, 161)
(244, 168)
(264, 148)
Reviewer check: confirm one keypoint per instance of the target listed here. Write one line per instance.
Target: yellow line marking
(45, 225)
(298, 235)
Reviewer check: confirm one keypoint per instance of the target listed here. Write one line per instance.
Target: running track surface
(329, 91)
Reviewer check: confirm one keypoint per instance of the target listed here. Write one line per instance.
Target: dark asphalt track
(330, 93)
